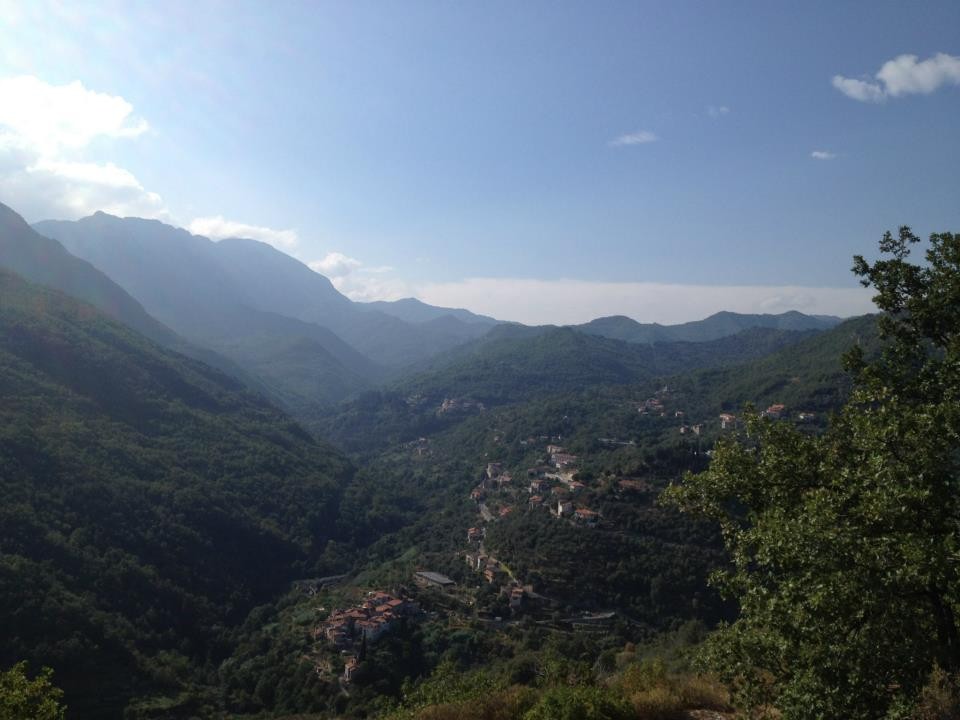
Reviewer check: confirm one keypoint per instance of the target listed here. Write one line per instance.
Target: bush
(580, 703)
(656, 694)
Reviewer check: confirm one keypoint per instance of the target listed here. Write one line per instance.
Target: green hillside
(805, 376)
(516, 364)
(511, 369)
(149, 503)
(718, 325)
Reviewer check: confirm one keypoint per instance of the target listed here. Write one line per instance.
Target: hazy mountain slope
(190, 282)
(716, 326)
(185, 281)
(45, 261)
(301, 363)
(274, 282)
(412, 310)
(149, 501)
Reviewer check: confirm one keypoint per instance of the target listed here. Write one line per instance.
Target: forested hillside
(516, 364)
(149, 502)
(716, 326)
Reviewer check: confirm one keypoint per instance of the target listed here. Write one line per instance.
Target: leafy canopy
(844, 546)
(24, 699)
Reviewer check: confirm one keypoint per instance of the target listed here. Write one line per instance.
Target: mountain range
(262, 308)
(716, 326)
(249, 309)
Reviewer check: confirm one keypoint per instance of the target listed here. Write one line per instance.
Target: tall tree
(845, 546)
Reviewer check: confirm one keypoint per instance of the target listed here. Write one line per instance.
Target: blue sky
(536, 161)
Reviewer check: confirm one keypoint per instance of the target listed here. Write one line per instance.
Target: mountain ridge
(719, 324)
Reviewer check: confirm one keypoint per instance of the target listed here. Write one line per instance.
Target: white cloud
(358, 281)
(45, 133)
(639, 137)
(335, 264)
(822, 155)
(577, 301)
(362, 288)
(716, 111)
(904, 75)
(217, 227)
(859, 89)
(51, 118)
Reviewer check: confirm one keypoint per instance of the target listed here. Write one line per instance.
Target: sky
(535, 161)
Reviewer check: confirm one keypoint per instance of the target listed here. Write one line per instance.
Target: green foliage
(497, 369)
(149, 503)
(806, 376)
(513, 366)
(22, 698)
(580, 703)
(844, 545)
(658, 694)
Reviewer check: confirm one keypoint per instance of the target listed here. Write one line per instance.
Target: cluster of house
(777, 411)
(565, 509)
(496, 477)
(460, 405)
(486, 565)
(560, 458)
(654, 405)
(370, 620)
(494, 574)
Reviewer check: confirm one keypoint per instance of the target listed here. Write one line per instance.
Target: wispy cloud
(358, 281)
(46, 134)
(335, 264)
(639, 137)
(577, 301)
(822, 155)
(217, 227)
(716, 111)
(904, 75)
